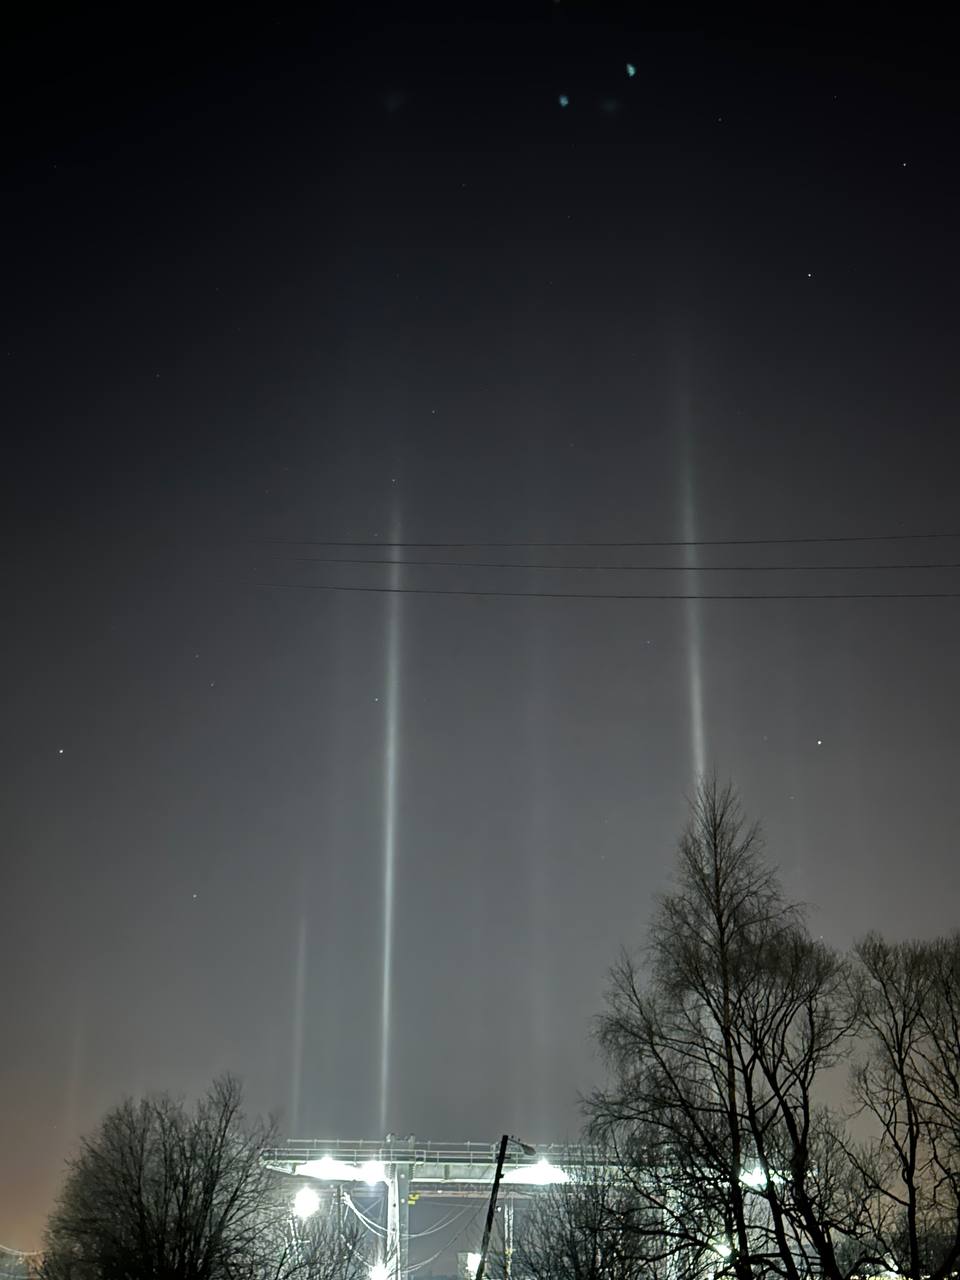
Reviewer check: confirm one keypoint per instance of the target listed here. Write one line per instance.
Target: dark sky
(367, 279)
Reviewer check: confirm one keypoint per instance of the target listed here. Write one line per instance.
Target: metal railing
(411, 1151)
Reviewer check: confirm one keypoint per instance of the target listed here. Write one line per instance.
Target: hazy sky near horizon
(468, 281)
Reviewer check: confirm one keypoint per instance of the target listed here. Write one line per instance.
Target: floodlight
(379, 1271)
(306, 1202)
(541, 1174)
(473, 1262)
(373, 1171)
(327, 1169)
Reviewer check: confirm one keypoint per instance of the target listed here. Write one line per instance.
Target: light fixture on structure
(327, 1169)
(306, 1203)
(541, 1174)
(374, 1172)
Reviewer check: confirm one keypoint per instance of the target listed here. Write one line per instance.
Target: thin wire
(440, 1226)
(620, 595)
(647, 568)
(379, 1231)
(652, 542)
(369, 1223)
(418, 1266)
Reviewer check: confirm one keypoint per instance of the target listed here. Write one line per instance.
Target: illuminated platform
(431, 1166)
(410, 1169)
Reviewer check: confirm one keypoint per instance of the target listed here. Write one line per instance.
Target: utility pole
(492, 1207)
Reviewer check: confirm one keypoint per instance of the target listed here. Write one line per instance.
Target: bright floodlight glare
(473, 1263)
(327, 1169)
(754, 1177)
(373, 1171)
(379, 1271)
(306, 1202)
(541, 1174)
(722, 1250)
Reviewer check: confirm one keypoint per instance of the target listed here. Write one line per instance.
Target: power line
(369, 1223)
(651, 568)
(440, 1226)
(652, 542)
(418, 1266)
(620, 595)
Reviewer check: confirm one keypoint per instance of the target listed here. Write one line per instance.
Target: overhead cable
(808, 540)
(615, 595)
(646, 568)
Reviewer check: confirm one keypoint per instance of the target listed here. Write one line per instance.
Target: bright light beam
(299, 1005)
(694, 608)
(390, 764)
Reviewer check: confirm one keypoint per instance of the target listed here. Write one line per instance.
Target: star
(819, 742)
(631, 70)
(59, 751)
(564, 100)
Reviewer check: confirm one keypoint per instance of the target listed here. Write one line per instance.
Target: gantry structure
(409, 1169)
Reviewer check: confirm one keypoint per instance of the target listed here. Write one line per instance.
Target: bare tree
(581, 1230)
(908, 1084)
(324, 1246)
(715, 1044)
(794, 1019)
(161, 1193)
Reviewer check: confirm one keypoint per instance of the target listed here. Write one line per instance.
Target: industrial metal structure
(409, 1169)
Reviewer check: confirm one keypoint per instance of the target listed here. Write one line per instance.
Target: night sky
(271, 284)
